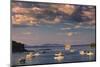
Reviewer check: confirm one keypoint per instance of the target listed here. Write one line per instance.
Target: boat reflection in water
(59, 56)
(28, 57)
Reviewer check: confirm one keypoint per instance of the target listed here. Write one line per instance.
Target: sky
(36, 23)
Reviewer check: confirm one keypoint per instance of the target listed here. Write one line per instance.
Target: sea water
(47, 55)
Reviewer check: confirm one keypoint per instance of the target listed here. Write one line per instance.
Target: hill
(18, 47)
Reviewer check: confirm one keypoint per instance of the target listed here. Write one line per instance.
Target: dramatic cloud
(37, 13)
(67, 9)
(18, 9)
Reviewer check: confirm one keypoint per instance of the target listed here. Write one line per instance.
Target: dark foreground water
(47, 55)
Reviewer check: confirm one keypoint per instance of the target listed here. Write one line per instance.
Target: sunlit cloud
(20, 9)
(37, 10)
(50, 14)
(67, 9)
(20, 19)
(56, 20)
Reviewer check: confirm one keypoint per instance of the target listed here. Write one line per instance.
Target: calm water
(47, 55)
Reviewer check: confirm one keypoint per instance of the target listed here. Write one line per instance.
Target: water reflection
(59, 58)
(29, 56)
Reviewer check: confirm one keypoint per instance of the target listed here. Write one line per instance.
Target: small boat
(69, 50)
(59, 56)
(59, 53)
(67, 46)
(36, 54)
(89, 53)
(82, 52)
(29, 56)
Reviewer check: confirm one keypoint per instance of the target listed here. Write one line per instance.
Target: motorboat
(59, 53)
(36, 54)
(82, 52)
(59, 56)
(67, 47)
(87, 53)
(29, 56)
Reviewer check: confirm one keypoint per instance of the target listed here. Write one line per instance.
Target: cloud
(37, 10)
(69, 33)
(55, 20)
(34, 14)
(69, 24)
(20, 19)
(22, 10)
(67, 28)
(88, 14)
(77, 26)
(67, 9)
